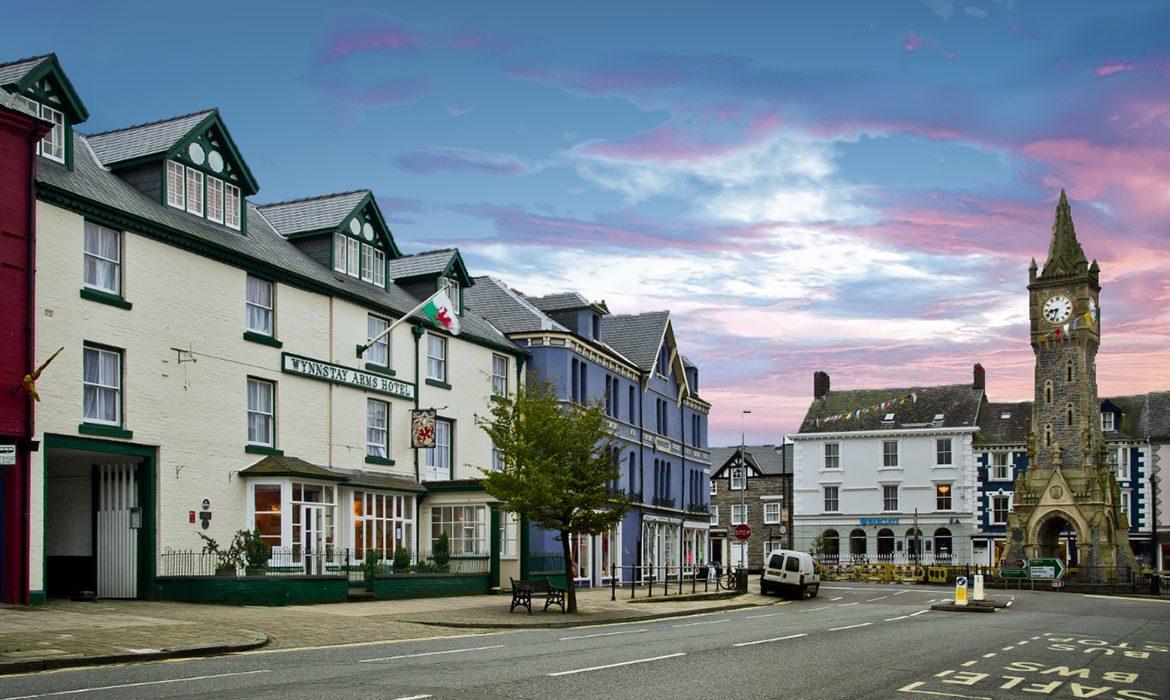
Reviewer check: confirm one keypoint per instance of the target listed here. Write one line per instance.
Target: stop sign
(742, 531)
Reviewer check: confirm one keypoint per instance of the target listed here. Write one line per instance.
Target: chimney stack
(820, 384)
(980, 380)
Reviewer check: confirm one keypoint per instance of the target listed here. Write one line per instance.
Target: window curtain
(375, 428)
(259, 306)
(101, 385)
(259, 412)
(379, 351)
(101, 257)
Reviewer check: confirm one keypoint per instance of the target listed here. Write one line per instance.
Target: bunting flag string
(1064, 332)
(912, 397)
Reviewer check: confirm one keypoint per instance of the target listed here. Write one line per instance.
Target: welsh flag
(441, 311)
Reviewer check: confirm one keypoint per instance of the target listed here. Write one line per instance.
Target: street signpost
(1045, 569)
(960, 590)
(1013, 573)
(742, 531)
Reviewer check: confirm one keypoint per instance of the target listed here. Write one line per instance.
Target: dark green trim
(380, 369)
(50, 66)
(124, 221)
(379, 460)
(105, 298)
(268, 340)
(67, 442)
(494, 546)
(248, 185)
(293, 474)
(262, 450)
(439, 384)
(439, 487)
(109, 431)
(37, 598)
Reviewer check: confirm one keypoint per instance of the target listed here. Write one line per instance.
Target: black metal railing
(670, 579)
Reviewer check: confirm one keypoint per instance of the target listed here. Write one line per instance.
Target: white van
(789, 573)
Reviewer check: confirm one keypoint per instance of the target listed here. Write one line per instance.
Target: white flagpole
(408, 314)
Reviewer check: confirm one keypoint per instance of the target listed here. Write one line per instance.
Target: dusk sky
(856, 187)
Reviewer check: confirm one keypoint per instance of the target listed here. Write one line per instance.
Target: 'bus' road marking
(838, 629)
(600, 634)
(913, 688)
(773, 639)
(429, 653)
(878, 598)
(136, 685)
(703, 622)
(620, 663)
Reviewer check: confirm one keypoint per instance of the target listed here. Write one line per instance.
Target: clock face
(1057, 309)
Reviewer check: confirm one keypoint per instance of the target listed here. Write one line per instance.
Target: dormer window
(452, 288)
(52, 146)
(203, 195)
(1108, 421)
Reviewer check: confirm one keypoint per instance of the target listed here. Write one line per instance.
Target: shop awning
(295, 467)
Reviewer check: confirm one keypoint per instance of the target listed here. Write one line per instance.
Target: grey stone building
(756, 492)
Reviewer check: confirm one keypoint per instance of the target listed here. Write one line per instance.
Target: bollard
(960, 590)
(978, 593)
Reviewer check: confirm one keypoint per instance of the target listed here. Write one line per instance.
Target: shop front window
(382, 522)
(266, 509)
(465, 527)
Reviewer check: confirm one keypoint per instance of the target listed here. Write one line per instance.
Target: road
(853, 641)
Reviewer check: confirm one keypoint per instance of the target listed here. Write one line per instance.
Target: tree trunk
(570, 570)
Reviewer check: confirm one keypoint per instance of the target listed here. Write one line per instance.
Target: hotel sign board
(346, 376)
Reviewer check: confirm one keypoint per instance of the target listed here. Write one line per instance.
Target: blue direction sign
(1045, 569)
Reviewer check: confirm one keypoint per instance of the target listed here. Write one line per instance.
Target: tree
(557, 466)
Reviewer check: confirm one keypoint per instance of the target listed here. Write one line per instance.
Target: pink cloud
(913, 42)
(671, 143)
(1114, 67)
(427, 161)
(1111, 68)
(388, 37)
(1132, 179)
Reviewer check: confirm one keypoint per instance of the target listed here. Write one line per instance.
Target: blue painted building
(658, 421)
(1130, 426)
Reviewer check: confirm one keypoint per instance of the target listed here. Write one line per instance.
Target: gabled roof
(767, 460)
(263, 248)
(994, 429)
(637, 336)
(507, 309)
(10, 101)
(430, 263)
(165, 138)
(1158, 415)
(958, 404)
(23, 73)
(322, 212)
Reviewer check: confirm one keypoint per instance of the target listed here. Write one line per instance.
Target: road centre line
(136, 685)
(845, 605)
(901, 592)
(429, 653)
(702, 622)
(414, 697)
(920, 612)
(620, 663)
(1121, 597)
(900, 617)
(816, 609)
(880, 597)
(837, 598)
(838, 629)
(601, 634)
(773, 639)
(752, 617)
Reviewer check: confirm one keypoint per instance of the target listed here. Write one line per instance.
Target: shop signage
(347, 376)
(880, 521)
(7, 455)
(422, 428)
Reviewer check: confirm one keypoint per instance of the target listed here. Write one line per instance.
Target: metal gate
(117, 541)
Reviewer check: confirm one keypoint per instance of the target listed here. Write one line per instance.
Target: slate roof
(325, 211)
(10, 101)
(771, 460)
(959, 404)
(1142, 416)
(430, 262)
(283, 465)
(638, 337)
(507, 309)
(1158, 415)
(560, 301)
(14, 71)
(1013, 430)
(263, 244)
(144, 139)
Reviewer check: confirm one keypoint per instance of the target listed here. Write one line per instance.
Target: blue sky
(854, 187)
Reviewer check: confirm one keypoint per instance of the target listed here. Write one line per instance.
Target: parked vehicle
(790, 573)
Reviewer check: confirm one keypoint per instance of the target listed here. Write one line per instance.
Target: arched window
(857, 544)
(1068, 371)
(885, 542)
(1048, 391)
(1048, 436)
(832, 542)
(1068, 416)
(913, 542)
(942, 543)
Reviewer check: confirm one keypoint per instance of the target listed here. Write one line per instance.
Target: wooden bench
(524, 591)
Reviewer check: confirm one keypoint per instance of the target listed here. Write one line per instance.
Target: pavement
(64, 633)
(852, 641)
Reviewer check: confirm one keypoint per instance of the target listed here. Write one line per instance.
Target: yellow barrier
(936, 574)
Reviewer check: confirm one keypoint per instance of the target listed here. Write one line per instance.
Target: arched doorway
(942, 544)
(885, 543)
(832, 543)
(1056, 537)
(857, 544)
(914, 544)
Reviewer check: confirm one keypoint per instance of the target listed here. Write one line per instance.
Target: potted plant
(371, 567)
(401, 560)
(442, 553)
(226, 562)
(255, 551)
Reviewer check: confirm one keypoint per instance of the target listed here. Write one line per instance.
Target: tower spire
(1065, 255)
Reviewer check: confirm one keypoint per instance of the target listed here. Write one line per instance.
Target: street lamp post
(743, 476)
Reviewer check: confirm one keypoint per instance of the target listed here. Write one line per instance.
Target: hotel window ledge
(105, 298)
(254, 337)
(370, 459)
(263, 450)
(438, 383)
(110, 431)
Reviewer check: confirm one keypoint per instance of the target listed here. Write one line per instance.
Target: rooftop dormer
(187, 162)
(574, 311)
(344, 231)
(423, 274)
(44, 89)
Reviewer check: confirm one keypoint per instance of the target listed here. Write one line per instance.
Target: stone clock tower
(1068, 489)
